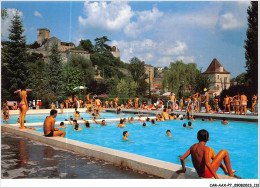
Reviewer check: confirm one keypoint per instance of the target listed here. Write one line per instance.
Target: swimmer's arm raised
(183, 162)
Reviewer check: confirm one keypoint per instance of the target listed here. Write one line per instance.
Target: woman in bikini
(23, 107)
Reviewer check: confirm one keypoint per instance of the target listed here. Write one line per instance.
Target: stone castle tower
(115, 51)
(42, 34)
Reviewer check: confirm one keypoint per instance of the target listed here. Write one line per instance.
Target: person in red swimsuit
(202, 155)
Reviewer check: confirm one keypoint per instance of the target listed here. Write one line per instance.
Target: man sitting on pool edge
(48, 126)
(201, 158)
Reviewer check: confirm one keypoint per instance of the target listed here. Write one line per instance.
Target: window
(217, 76)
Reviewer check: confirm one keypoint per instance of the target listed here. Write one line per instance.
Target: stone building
(45, 42)
(219, 77)
(42, 35)
(66, 54)
(115, 51)
(64, 46)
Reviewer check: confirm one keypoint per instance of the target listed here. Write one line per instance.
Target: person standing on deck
(243, 103)
(226, 104)
(206, 101)
(173, 100)
(23, 107)
(116, 101)
(61, 107)
(254, 99)
(98, 104)
(136, 102)
(181, 102)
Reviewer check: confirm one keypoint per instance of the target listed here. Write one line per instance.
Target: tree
(137, 71)
(14, 58)
(127, 88)
(84, 66)
(101, 45)
(122, 88)
(36, 77)
(108, 63)
(86, 45)
(74, 79)
(4, 13)
(251, 46)
(183, 75)
(54, 76)
(34, 45)
(111, 86)
(201, 81)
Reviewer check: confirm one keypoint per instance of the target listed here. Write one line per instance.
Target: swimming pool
(39, 118)
(239, 138)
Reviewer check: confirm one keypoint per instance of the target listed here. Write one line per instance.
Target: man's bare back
(48, 125)
(202, 156)
(197, 152)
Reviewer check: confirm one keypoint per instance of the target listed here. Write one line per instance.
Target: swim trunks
(207, 174)
(50, 134)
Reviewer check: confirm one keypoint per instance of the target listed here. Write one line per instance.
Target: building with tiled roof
(218, 76)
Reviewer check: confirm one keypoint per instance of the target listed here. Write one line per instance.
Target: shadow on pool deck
(24, 158)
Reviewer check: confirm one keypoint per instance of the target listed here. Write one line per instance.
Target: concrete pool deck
(249, 118)
(136, 162)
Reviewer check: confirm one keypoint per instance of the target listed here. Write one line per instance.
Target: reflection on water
(22, 154)
(23, 158)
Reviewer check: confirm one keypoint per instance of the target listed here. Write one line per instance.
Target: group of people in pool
(204, 159)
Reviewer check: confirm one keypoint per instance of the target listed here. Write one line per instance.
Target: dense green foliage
(127, 88)
(181, 75)
(83, 65)
(101, 45)
(54, 76)
(251, 46)
(86, 45)
(137, 71)
(14, 58)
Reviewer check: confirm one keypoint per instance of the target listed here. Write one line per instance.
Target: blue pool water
(39, 118)
(239, 138)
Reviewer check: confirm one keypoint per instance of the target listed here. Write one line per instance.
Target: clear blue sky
(156, 32)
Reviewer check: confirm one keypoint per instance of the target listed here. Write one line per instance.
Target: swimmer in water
(121, 124)
(125, 134)
(225, 122)
(168, 132)
(62, 125)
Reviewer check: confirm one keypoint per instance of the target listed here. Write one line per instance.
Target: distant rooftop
(216, 67)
